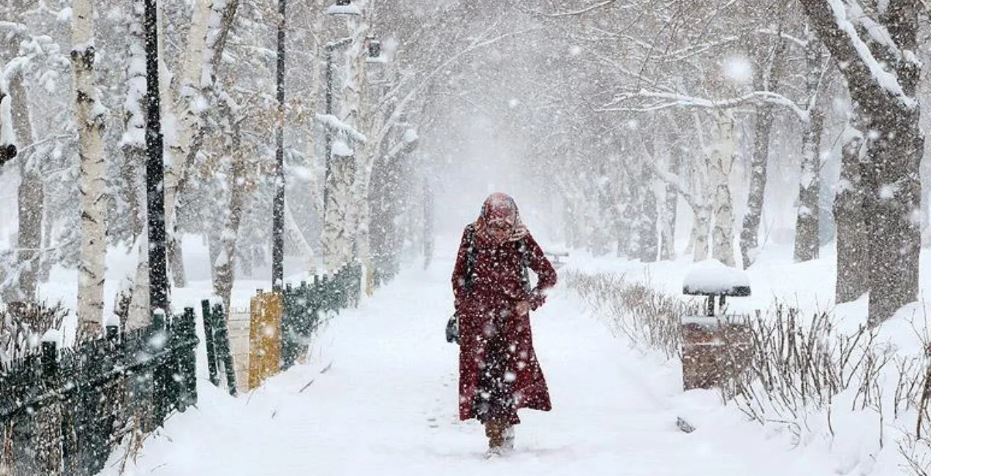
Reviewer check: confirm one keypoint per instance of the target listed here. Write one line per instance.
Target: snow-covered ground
(809, 286)
(378, 396)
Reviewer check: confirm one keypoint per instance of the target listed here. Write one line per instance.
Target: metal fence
(62, 411)
(309, 304)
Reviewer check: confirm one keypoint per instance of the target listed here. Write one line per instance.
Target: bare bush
(647, 317)
(800, 367)
(23, 323)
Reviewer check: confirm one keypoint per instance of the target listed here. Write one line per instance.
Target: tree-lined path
(378, 396)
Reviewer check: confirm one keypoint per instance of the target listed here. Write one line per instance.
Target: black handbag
(451, 332)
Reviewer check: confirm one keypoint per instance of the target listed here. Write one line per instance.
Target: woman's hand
(534, 300)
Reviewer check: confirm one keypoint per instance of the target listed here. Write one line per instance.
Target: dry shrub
(23, 323)
(648, 318)
(799, 367)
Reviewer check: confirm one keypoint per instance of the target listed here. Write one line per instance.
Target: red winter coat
(495, 290)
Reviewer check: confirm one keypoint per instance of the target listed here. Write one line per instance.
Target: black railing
(63, 410)
(309, 304)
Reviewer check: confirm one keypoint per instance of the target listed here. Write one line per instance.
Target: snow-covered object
(712, 277)
(343, 10)
(714, 321)
(112, 320)
(6, 122)
(52, 335)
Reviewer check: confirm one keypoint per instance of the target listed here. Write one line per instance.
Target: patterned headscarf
(499, 207)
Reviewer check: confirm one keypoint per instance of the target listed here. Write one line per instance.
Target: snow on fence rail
(63, 410)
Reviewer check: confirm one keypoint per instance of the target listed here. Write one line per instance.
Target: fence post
(49, 425)
(222, 339)
(185, 358)
(289, 327)
(156, 344)
(116, 384)
(206, 318)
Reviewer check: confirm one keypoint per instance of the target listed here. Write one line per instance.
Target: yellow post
(265, 337)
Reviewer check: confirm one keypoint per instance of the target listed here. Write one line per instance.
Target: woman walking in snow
(498, 371)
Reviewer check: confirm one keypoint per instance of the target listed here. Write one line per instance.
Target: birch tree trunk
(211, 23)
(133, 143)
(90, 124)
(188, 124)
(722, 158)
(225, 263)
(139, 315)
(343, 192)
(851, 229)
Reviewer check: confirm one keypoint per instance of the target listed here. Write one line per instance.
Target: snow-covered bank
(832, 386)
(809, 286)
(387, 405)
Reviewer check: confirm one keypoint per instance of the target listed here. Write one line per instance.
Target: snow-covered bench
(558, 258)
(714, 347)
(712, 278)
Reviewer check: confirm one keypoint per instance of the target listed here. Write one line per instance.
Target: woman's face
(500, 228)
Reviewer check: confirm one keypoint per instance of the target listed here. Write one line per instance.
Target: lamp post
(277, 265)
(159, 286)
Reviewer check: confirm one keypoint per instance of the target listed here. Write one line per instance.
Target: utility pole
(277, 269)
(159, 286)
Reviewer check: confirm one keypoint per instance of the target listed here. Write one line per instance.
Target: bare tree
(90, 122)
(874, 46)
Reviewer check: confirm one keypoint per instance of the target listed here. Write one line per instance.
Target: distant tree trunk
(749, 236)
(30, 195)
(189, 125)
(851, 229)
(428, 223)
(666, 211)
(722, 158)
(765, 77)
(340, 232)
(648, 217)
(211, 23)
(224, 265)
(700, 233)
(883, 89)
(133, 143)
(90, 123)
(806, 236)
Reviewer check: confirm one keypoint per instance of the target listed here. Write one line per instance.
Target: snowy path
(387, 405)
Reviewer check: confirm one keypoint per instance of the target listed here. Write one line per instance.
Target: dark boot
(494, 431)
